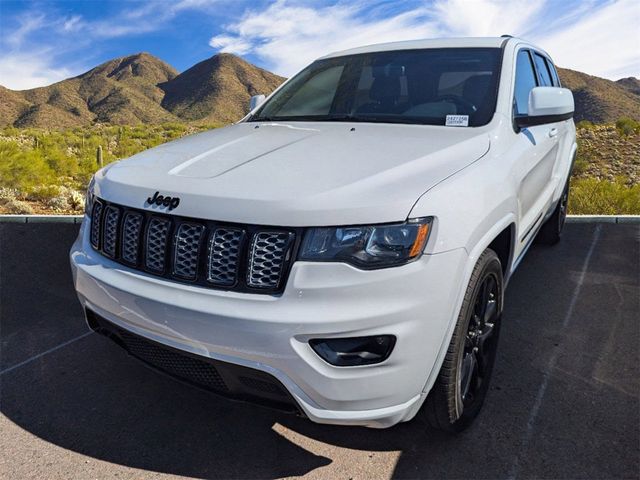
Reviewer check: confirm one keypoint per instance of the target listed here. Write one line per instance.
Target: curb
(41, 218)
(78, 218)
(603, 218)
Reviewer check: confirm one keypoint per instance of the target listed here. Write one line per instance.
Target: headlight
(367, 247)
(88, 199)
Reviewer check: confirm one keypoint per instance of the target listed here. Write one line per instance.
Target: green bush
(627, 126)
(33, 159)
(23, 169)
(584, 124)
(590, 196)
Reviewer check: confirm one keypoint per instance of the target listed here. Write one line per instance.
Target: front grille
(131, 229)
(235, 257)
(268, 255)
(224, 255)
(110, 230)
(96, 219)
(185, 261)
(156, 243)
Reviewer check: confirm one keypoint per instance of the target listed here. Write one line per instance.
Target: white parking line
(35, 357)
(533, 415)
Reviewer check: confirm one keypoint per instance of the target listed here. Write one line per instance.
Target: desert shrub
(8, 193)
(580, 166)
(58, 204)
(34, 161)
(76, 200)
(42, 193)
(584, 124)
(627, 126)
(591, 196)
(62, 163)
(16, 207)
(23, 169)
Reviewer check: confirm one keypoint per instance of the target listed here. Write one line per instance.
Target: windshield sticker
(457, 121)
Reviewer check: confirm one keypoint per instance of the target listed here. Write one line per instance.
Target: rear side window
(554, 73)
(525, 82)
(543, 70)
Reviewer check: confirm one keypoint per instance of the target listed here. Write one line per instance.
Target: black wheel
(463, 381)
(551, 231)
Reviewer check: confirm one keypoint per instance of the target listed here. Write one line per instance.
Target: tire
(551, 231)
(462, 384)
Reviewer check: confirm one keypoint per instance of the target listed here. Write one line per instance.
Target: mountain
(630, 83)
(217, 89)
(141, 88)
(599, 100)
(123, 91)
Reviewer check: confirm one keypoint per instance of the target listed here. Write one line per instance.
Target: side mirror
(256, 101)
(547, 105)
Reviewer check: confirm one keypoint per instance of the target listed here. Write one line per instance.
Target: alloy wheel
(480, 342)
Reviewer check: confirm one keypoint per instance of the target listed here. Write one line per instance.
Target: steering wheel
(458, 101)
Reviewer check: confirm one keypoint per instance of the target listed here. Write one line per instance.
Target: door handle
(553, 132)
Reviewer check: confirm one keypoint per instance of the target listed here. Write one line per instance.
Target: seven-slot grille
(232, 257)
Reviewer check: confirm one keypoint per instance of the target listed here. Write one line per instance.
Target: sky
(42, 42)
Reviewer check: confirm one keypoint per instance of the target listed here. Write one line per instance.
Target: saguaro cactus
(99, 159)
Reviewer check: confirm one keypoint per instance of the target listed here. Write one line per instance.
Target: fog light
(347, 352)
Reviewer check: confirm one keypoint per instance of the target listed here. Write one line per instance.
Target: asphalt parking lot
(565, 399)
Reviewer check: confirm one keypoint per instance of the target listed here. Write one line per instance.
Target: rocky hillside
(217, 89)
(632, 84)
(121, 91)
(602, 101)
(605, 154)
(141, 89)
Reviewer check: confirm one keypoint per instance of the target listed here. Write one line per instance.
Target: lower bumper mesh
(227, 379)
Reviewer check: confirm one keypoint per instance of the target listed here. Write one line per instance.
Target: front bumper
(415, 302)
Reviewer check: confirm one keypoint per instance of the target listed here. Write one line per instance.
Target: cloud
(148, 16)
(579, 34)
(482, 18)
(40, 39)
(28, 23)
(72, 23)
(23, 71)
(229, 44)
(605, 41)
(288, 37)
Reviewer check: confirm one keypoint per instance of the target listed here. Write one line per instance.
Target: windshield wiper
(346, 117)
(311, 118)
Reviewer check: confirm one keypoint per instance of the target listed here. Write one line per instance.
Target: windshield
(406, 86)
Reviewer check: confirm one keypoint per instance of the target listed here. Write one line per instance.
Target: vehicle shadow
(94, 399)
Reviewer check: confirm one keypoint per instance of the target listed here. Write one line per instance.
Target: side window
(525, 81)
(554, 73)
(543, 70)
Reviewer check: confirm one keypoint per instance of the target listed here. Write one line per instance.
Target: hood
(295, 174)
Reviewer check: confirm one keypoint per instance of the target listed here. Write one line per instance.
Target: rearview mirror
(256, 101)
(547, 105)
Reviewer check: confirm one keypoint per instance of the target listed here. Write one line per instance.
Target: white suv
(341, 252)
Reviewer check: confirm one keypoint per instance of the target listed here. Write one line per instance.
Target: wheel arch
(503, 244)
(501, 233)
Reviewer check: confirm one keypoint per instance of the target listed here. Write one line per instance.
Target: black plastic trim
(241, 383)
(524, 121)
